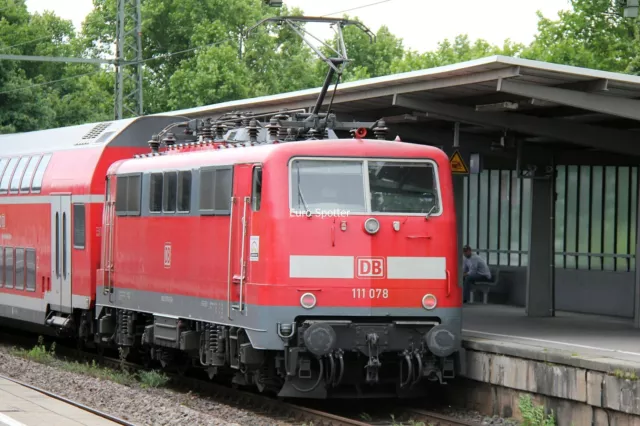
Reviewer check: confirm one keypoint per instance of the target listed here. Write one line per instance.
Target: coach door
(59, 295)
(239, 239)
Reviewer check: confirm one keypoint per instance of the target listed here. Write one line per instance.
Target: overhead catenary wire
(25, 42)
(49, 82)
(357, 7)
(162, 56)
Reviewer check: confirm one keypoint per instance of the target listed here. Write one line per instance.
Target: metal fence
(596, 216)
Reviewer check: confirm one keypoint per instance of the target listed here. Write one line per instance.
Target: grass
(533, 415)
(40, 354)
(627, 375)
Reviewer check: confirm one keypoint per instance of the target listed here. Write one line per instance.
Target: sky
(420, 23)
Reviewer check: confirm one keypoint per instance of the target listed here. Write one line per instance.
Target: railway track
(256, 403)
(68, 401)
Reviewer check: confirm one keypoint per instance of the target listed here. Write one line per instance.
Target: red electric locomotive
(274, 255)
(312, 268)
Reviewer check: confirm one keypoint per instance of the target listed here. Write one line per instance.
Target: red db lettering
(370, 267)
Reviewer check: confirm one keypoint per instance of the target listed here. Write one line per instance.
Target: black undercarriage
(327, 358)
(322, 357)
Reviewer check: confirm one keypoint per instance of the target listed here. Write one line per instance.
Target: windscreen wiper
(301, 197)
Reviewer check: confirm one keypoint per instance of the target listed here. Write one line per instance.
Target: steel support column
(540, 297)
(636, 295)
(128, 52)
(458, 198)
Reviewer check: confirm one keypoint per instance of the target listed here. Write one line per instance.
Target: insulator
(253, 130)
(207, 132)
(221, 129)
(274, 128)
(381, 130)
(326, 134)
(292, 133)
(169, 140)
(154, 143)
(282, 131)
(313, 133)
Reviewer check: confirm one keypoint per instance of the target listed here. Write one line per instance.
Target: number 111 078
(370, 293)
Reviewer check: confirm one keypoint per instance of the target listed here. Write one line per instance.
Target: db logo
(370, 267)
(167, 255)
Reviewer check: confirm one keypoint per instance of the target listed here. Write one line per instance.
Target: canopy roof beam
(620, 107)
(613, 140)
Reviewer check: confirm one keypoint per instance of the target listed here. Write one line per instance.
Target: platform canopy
(540, 102)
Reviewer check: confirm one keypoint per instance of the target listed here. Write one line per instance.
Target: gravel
(159, 406)
(480, 419)
(142, 406)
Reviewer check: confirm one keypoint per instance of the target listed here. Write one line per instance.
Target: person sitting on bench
(475, 269)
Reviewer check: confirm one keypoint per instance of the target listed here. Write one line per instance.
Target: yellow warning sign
(457, 163)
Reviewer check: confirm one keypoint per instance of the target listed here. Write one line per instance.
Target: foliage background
(40, 95)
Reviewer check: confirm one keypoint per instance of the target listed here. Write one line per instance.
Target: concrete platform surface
(21, 406)
(566, 329)
(605, 340)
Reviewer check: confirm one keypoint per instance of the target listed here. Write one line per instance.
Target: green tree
(24, 105)
(592, 34)
(460, 50)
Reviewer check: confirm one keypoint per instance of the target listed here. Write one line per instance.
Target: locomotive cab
(368, 251)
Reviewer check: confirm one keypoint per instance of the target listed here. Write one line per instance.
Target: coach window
(17, 176)
(28, 174)
(184, 191)
(256, 194)
(169, 192)
(215, 191)
(31, 269)
(207, 181)
(223, 190)
(79, 226)
(3, 164)
(1, 266)
(36, 185)
(155, 192)
(8, 267)
(403, 187)
(6, 177)
(133, 195)
(128, 195)
(328, 184)
(19, 262)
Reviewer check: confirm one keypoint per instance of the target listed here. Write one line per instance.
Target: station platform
(22, 406)
(585, 368)
(608, 340)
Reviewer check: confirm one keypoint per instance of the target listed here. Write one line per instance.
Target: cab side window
(256, 192)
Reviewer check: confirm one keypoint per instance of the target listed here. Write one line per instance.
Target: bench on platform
(485, 286)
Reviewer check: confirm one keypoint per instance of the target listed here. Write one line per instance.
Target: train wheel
(100, 353)
(182, 368)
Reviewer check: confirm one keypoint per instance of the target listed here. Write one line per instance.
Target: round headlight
(371, 225)
(308, 300)
(429, 301)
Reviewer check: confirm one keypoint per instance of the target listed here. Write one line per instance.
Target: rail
(70, 402)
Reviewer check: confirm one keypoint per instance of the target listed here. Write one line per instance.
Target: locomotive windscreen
(393, 186)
